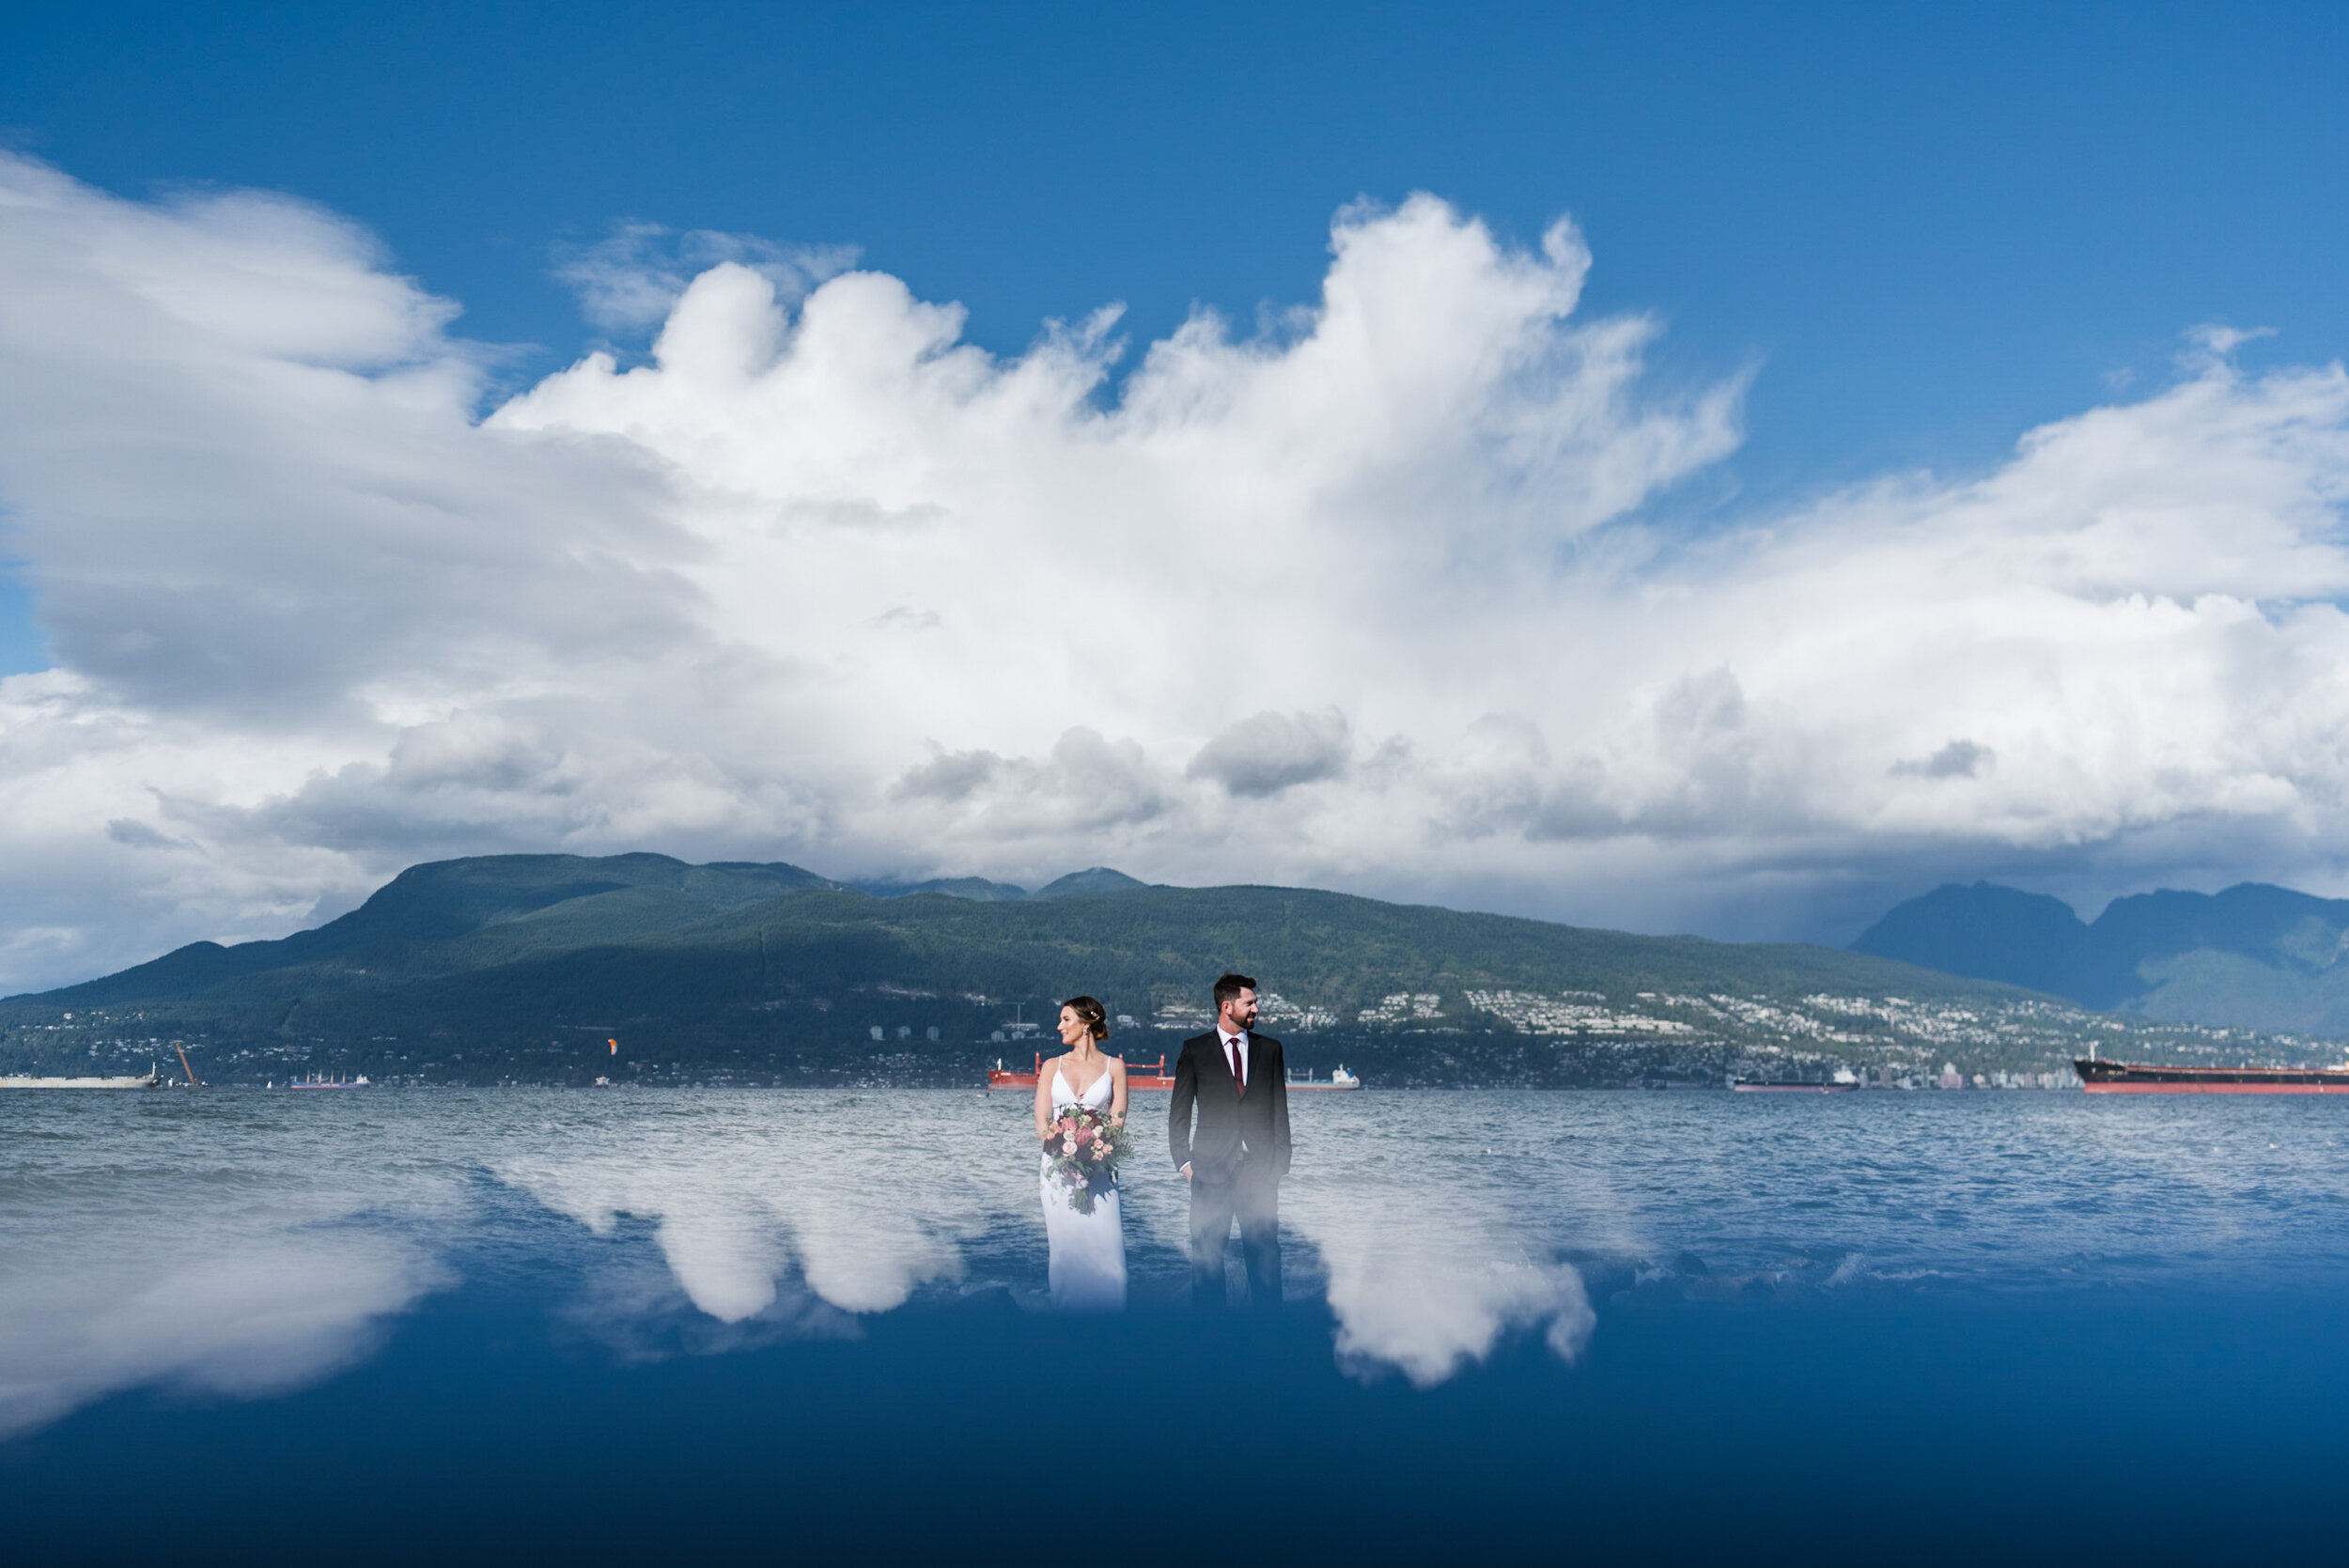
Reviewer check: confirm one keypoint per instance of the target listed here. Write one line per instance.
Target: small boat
(315, 1081)
(150, 1081)
(1780, 1086)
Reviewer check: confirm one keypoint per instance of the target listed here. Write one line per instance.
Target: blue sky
(1886, 242)
(1934, 226)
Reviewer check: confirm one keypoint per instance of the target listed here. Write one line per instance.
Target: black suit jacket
(1227, 1118)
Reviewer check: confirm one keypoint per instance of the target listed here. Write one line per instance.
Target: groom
(1237, 1152)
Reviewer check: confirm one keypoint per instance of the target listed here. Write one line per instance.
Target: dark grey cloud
(1267, 752)
(1959, 759)
(138, 835)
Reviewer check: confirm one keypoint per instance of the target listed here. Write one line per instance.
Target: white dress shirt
(1241, 1040)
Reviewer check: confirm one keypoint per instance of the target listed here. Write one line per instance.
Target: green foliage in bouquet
(1086, 1146)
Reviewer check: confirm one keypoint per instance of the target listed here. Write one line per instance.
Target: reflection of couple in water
(1228, 1128)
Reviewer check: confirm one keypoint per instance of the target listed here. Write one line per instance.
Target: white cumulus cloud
(1369, 598)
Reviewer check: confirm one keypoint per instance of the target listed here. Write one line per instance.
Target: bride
(1088, 1250)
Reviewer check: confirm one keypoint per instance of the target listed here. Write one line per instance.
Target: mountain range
(2255, 956)
(529, 967)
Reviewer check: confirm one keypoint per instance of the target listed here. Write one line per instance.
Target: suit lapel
(1215, 1049)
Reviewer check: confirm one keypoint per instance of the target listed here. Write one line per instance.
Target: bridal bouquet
(1085, 1147)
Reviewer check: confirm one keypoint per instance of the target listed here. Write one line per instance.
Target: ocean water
(711, 1325)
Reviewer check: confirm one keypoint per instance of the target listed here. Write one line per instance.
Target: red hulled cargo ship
(2138, 1078)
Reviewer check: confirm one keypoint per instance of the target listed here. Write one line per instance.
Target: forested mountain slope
(526, 966)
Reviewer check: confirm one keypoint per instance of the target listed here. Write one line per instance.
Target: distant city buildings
(1539, 1015)
(1404, 1006)
(1281, 1013)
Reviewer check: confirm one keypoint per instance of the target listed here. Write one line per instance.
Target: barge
(150, 1081)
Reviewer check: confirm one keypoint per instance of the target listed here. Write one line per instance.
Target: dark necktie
(1239, 1072)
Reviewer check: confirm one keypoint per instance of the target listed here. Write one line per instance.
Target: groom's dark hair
(1230, 986)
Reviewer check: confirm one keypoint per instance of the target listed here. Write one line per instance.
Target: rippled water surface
(183, 1267)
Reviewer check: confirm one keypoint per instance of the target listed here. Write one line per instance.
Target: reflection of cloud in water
(1431, 1251)
(206, 1242)
(256, 1315)
(745, 1189)
(1419, 1286)
(1427, 1317)
(743, 1193)
(751, 1197)
(203, 1247)
(630, 1302)
(245, 1242)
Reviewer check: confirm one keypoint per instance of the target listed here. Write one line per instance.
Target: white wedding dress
(1088, 1250)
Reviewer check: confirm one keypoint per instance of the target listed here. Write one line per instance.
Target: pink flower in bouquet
(1081, 1135)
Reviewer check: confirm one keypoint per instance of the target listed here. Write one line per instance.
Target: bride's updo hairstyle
(1091, 1014)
